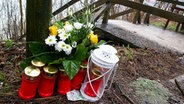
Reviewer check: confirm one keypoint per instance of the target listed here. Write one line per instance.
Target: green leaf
(37, 47)
(96, 45)
(71, 67)
(25, 63)
(9, 43)
(59, 61)
(81, 52)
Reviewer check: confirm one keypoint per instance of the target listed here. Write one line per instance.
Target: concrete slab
(146, 36)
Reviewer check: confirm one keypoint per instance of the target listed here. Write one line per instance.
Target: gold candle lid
(62, 70)
(50, 69)
(83, 66)
(37, 63)
(32, 71)
(96, 72)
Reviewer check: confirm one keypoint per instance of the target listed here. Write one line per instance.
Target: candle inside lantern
(29, 84)
(94, 84)
(47, 82)
(64, 83)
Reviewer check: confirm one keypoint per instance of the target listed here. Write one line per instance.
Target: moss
(4, 86)
(150, 91)
(171, 26)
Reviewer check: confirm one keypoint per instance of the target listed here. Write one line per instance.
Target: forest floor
(134, 63)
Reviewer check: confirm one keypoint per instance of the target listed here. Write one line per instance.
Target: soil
(134, 63)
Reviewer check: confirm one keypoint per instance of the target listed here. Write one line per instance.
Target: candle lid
(105, 56)
(96, 72)
(37, 63)
(83, 66)
(32, 71)
(50, 69)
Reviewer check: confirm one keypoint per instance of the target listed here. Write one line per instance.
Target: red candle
(29, 84)
(76, 82)
(78, 78)
(64, 83)
(47, 82)
(95, 84)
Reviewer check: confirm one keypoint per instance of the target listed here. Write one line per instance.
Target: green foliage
(171, 26)
(4, 87)
(150, 92)
(2, 77)
(9, 43)
(128, 53)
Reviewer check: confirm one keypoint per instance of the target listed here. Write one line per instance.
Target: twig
(123, 95)
(118, 98)
(179, 87)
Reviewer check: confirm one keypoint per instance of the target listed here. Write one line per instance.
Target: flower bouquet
(67, 45)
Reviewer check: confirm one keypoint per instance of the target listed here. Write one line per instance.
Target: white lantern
(101, 63)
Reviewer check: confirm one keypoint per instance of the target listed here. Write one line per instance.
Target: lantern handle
(114, 73)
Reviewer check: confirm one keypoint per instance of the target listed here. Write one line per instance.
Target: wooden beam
(97, 4)
(106, 13)
(99, 13)
(173, 1)
(151, 10)
(64, 7)
(121, 13)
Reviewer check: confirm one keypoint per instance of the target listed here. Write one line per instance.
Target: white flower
(89, 25)
(68, 27)
(68, 49)
(63, 36)
(74, 44)
(91, 32)
(60, 46)
(50, 40)
(61, 30)
(78, 25)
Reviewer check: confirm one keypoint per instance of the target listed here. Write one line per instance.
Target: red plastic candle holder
(47, 81)
(29, 83)
(64, 83)
(78, 78)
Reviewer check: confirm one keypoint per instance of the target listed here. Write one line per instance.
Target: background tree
(38, 13)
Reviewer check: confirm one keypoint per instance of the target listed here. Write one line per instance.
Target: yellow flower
(93, 38)
(53, 30)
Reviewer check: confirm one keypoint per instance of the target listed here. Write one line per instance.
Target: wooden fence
(102, 8)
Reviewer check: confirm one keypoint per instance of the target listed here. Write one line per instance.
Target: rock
(180, 79)
(150, 92)
(181, 59)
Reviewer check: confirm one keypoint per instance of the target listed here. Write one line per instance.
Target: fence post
(106, 13)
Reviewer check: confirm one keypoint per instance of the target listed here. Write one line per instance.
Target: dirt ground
(134, 63)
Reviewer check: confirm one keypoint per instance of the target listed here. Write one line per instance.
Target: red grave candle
(29, 84)
(47, 81)
(78, 78)
(95, 84)
(64, 83)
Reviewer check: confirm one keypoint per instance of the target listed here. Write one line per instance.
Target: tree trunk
(38, 13)
(21, 18)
